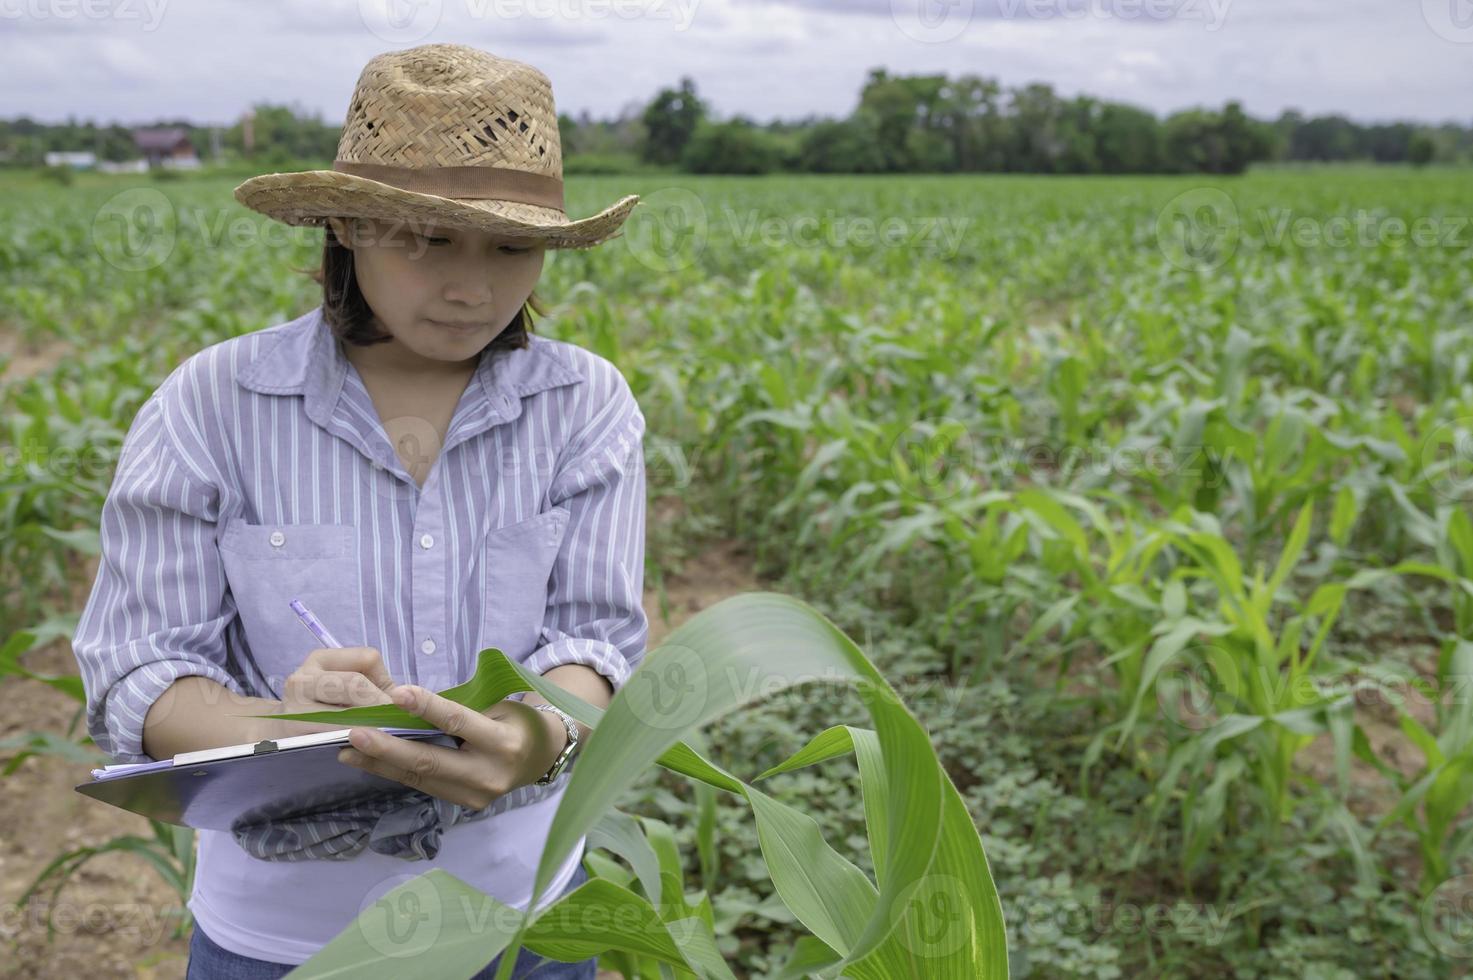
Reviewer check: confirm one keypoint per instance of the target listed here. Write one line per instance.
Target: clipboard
(211, 789)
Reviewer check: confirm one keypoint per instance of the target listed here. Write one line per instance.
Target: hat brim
(310, 197)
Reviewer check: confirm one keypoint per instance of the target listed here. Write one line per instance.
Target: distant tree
(1079, 121)
(287, 133)
(972, 120)
(670, 120)
(912, 120)
(1421, 149)
(844, 146)
(734, 147)
(1129, 140)
(1038, 140)
(1324, 138)
(1200, 141)
(1244, 140)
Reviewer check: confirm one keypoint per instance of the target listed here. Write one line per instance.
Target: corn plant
(931, 911)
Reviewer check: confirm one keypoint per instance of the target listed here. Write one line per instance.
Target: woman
(424, 473)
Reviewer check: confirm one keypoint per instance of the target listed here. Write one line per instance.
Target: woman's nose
(468, 283)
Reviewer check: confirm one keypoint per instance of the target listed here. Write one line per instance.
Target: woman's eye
(512, 250)
(438, 241)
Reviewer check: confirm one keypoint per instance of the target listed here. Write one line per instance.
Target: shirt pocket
(268, 565)
(518, 561)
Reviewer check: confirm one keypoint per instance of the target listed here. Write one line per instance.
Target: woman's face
(444, 293)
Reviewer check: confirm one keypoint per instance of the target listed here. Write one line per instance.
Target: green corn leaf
(932, 912)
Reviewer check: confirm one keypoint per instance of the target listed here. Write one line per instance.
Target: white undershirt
(287, 911)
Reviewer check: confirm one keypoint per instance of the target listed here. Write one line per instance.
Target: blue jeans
(210, 961)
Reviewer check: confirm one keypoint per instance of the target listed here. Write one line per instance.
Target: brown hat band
(470, 183)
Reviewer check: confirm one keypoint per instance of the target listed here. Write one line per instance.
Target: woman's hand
(329, 678)
(509, 745)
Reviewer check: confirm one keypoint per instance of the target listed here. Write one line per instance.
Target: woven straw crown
(449, 134)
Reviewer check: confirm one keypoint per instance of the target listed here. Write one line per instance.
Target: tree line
(901, 124)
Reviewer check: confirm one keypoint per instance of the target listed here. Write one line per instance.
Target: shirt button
(426, 541)
(428, 646)
(277, 539)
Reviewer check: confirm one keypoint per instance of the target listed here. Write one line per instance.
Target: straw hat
(448, 134)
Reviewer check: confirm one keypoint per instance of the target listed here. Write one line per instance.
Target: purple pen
(312, 623)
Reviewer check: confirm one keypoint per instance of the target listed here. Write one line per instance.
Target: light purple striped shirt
(259, 472)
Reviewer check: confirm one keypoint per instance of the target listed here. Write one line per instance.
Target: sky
(137, 61)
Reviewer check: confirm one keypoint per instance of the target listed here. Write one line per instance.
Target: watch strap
(561, 762)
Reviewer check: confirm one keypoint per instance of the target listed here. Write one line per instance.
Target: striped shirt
(259, 472)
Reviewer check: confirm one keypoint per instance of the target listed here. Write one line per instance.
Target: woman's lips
(457, 327)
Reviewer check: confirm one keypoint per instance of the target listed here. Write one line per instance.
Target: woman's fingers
(463, 775)
(450, 717)
(344, 676)
(336, 687)
(460, 777)
(347, 688)
(363, 660)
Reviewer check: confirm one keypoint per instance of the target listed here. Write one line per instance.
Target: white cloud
(210, 59)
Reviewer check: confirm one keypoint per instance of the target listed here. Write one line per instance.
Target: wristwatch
(569, 750)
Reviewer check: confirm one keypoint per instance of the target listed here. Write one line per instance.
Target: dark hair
(351, 320)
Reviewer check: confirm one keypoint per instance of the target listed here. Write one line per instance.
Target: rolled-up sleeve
(157, 611)
(595, 613)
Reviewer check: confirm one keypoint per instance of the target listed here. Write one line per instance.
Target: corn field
(1162, 483)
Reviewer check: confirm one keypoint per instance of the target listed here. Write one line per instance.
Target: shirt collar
(308, 360)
